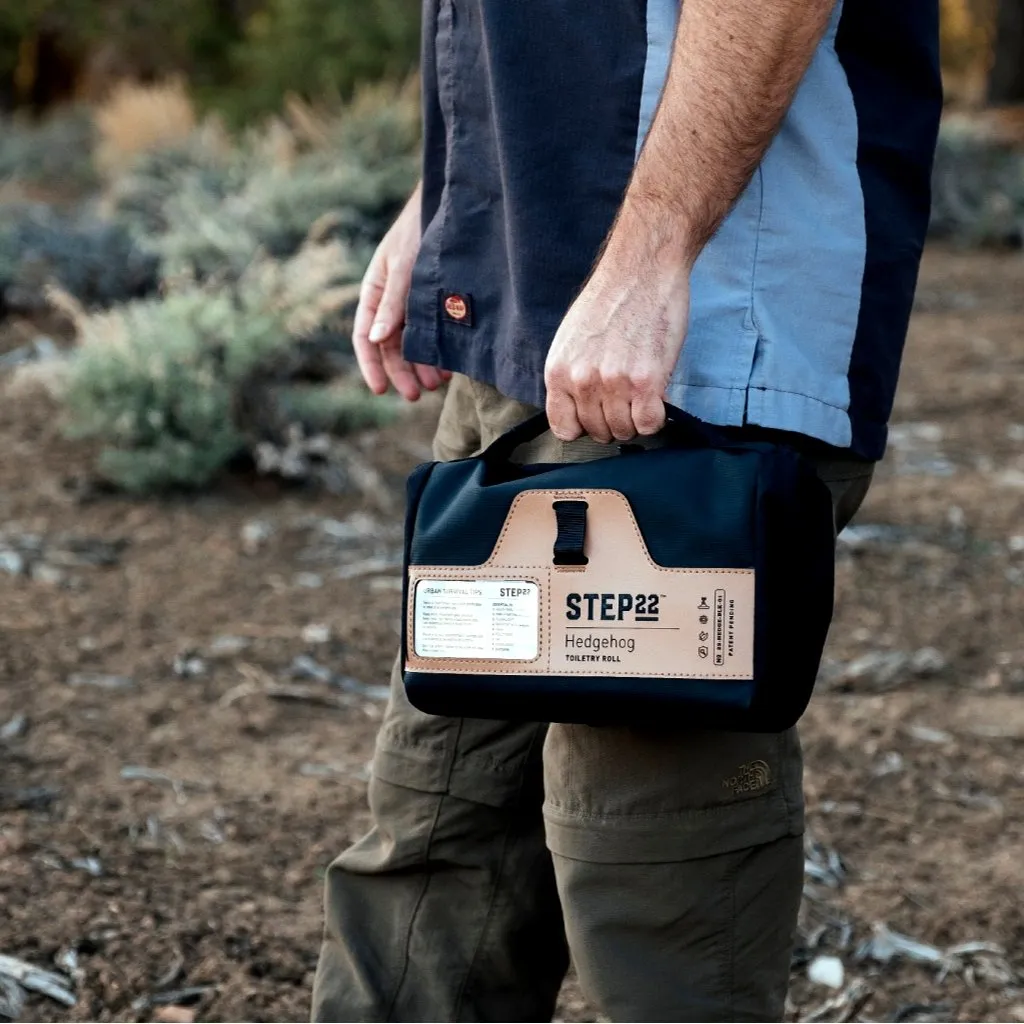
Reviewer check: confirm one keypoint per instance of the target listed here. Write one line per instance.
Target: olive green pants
(668, 864)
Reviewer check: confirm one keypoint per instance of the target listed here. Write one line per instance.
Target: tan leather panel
(621, 614)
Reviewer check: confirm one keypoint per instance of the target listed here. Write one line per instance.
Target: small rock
(101, 681)
(227, 646)
(956, 517)
(11, 562)
(1016, 543)
(827, 971)
(880, 668)
(925, 465)
(255, 534)
(1015, 431)
(188, 665)
(890, 764)
(316, 633)
(41, 572)
(211, 832)
(908, 435)
(926, 734)
(928, 661)
(380, 584)
(309, 580)
(174, 1015)
(90, 865)
(14, 727)
(860, 535)
(358, 526)
(1011, 478)
(46, 348)
(67, 961)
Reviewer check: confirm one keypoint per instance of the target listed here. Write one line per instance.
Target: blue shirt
(534, 112)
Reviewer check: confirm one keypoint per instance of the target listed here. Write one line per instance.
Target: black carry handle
(681, 430)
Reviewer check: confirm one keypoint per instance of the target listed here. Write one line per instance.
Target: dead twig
(847, 1004)
(35, 979)
(260, 683)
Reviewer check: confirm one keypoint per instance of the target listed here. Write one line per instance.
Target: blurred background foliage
(190, 191)
(244, 56)
(241, 56)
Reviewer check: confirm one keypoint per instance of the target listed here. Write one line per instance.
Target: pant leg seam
(731, 951)
(488, 916)
(426, 881)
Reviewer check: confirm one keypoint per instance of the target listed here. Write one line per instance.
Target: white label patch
(478, 619)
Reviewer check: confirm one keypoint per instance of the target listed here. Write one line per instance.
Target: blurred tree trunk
(1006, 81)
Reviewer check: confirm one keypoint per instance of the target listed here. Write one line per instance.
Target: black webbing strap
(571, 518)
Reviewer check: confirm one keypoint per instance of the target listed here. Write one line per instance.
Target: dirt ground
(166, 815)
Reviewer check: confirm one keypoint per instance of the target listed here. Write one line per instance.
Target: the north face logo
(749, 778)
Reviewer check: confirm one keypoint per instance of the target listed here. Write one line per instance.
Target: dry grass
(136, 119)
(967, 27)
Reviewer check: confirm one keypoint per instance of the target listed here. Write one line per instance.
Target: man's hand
(735, 68)
(610, 361)
(380, 315)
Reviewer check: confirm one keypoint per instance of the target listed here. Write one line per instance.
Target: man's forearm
(735, 68)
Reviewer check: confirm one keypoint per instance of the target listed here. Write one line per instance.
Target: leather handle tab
(571, 520)
(681, 430)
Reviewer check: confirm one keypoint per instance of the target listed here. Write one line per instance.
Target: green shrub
(208, 213)
(977, 191)
(54, 154)
(95, 260)
(166, 384)
(340, 408)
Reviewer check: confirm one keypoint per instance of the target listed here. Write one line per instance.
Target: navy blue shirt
(534, 112)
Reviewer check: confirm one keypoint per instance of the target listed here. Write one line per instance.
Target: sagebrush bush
(207, 210)
(167, 384)
(339, 408)
(205, 162)
(97, 261)
(53, 154)
(977, 190)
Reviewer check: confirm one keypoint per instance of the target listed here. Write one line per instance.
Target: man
(724, 204)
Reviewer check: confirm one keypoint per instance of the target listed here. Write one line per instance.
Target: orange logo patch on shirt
(456, 307)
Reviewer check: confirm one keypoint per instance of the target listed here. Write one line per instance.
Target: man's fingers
(586, 389)
(591, 417)
(561, 410)
(390, 312)
(370, 365)
(616, 407)
(370, 291)
(398, 370)
(648, 414)
(430, 377)
(367, 355)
